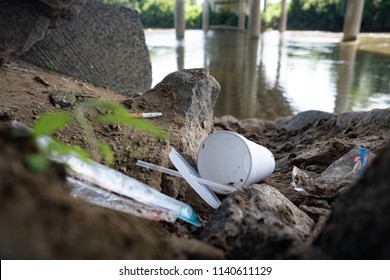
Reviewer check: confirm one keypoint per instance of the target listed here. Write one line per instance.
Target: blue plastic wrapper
(336, 178)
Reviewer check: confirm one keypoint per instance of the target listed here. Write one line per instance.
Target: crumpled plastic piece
(336, 178)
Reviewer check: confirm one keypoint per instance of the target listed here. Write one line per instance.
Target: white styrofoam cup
(230, 159)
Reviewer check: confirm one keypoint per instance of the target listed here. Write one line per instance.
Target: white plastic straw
(212, 185)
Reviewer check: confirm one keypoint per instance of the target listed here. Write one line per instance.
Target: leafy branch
(49, 123)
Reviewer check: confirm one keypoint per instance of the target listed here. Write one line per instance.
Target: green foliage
(3, 71)
(36, 162)
(270, 18)
(193, 16)
(107, 152)
(49, 123)
(118, 115)
(52, 65)
(316, 15)
(223, 17)
(376, 16)
(158, 13)
(328, 15)
(302, 15)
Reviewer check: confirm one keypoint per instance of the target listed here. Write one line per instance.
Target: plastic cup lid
(189, 173)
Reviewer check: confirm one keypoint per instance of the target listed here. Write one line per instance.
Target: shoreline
(371, 42)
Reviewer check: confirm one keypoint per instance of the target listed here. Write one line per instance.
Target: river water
(277, 76)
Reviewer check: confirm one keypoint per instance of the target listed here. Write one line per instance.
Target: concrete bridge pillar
(353, 19)
(180, 21)
(283, 17)
(254, 19)
(205, 15)
(241, 14)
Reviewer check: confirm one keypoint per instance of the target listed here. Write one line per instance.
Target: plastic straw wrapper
(97, 196)
(117, 182)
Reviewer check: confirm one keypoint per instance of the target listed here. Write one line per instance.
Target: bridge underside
(351, 28)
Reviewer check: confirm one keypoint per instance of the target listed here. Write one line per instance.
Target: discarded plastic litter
(219, 188)
(117, 182)
(230, 159)
(189, 173)
(338, 176)
(103, 198)
(224, 158)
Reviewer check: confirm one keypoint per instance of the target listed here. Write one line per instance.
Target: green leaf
(36, 162)
(115, 107)
(49, 123)
(138, 124)
(80, 152)
(66, 149)
(107, 153)
(120, 115)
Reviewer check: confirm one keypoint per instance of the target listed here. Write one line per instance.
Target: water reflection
(277, 76)
(180, 55)
(237, 63)
(345, 76)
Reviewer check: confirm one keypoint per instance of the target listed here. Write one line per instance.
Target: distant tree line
(327, 15)
(160, 13)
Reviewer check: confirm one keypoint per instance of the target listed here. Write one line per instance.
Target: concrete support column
(180, 21)
(283, 17)
(353, 19)
(205, 18)
(254, 19)
(241, 14)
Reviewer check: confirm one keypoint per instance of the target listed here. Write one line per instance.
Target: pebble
(63, 99)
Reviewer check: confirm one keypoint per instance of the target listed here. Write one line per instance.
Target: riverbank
(371, 42)
(281, 220)
(375, 42)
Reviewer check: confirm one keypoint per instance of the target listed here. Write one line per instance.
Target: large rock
(257, 222)
(104, 45)
(305, 119)
(24, 22)
(359, 226)
(186, 98)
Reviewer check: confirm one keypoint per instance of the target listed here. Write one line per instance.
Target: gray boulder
(188, 98)
(257, 222)
(304, 120)
(104, 45)
(24, 22)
